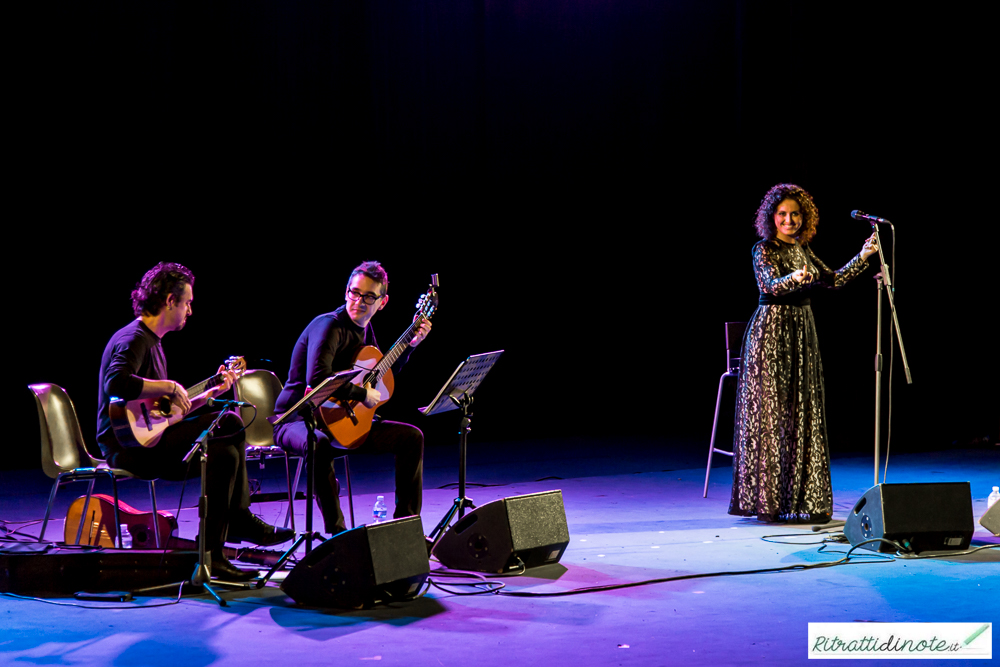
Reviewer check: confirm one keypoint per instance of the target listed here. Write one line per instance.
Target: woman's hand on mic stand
(870, 247)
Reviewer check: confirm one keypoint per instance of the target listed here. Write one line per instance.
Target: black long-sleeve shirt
(328, 345)
(133, 354)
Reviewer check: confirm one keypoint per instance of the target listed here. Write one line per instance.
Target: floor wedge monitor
(918, 517)
(507, 534)
(383, 562)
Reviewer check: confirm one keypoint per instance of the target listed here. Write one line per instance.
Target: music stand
(306, 409)
(457, 394)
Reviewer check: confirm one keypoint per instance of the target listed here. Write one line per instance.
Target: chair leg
(350, 492)
(290, 514)
(715, 426)
(156, 516)
(48, 508)
(118, 525)
(86, 508)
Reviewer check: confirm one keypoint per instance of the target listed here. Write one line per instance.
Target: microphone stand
(202, 574)
(884, 279)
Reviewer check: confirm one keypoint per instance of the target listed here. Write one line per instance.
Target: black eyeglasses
(368, 299)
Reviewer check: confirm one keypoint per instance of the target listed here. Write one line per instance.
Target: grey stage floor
(635, 513)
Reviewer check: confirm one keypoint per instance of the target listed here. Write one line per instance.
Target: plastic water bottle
(995, 496)
(380, 511)
(126, 536)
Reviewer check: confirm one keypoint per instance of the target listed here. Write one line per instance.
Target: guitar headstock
(427, 304)
(237, 365)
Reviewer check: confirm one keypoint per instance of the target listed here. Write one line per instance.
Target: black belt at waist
(783, 300)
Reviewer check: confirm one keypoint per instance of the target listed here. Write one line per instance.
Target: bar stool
(734, 346)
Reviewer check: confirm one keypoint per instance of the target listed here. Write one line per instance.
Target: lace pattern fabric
(781, 458)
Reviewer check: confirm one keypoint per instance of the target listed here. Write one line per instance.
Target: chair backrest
(734, 344)
(261, 388)
(63, 447)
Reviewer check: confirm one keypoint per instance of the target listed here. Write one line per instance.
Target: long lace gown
(781, 458)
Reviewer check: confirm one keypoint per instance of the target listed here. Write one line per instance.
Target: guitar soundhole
(140, 534)
(163, 405)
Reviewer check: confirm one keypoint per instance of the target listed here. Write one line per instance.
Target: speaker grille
(389, 561)
(537, 519)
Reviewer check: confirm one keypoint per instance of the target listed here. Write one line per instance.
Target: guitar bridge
(350, 413)
(145, 415)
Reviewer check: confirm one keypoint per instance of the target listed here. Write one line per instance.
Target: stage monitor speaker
(919, 517)
(503, 534)
(991, 520)
(383, 562)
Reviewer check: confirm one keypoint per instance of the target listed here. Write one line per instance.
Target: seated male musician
(133, 366)
(330, 344)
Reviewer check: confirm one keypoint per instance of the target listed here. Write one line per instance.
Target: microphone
(228, 404)
(874, 219)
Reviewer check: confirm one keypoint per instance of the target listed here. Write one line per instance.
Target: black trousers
(404, 441)
(226, 484)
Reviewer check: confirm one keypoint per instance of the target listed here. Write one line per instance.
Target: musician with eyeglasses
(329, 344)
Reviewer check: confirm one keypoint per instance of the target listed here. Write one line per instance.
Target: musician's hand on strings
(373, 397)
(425, 328)
(802, 276)
(870, 247)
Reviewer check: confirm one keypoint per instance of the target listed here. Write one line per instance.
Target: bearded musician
(133, 366)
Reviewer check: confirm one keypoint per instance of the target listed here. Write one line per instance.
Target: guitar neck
(390, 357)
(425, 308)
(205, 385)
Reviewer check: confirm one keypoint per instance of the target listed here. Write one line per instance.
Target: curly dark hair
(764, 222)
(374, 271)
(150, 293)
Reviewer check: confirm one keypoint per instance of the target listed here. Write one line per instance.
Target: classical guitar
(141, 422)
(99, 530)
(99, 524)
(349, 422)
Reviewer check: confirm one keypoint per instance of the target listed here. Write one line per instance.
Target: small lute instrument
(349, 422)
(141, 422)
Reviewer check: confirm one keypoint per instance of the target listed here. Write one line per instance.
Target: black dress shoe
(226, 571)
(246, 527)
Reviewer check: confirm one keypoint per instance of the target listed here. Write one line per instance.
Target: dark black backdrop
(583, 176)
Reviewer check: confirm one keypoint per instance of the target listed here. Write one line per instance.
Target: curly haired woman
(781, 461)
